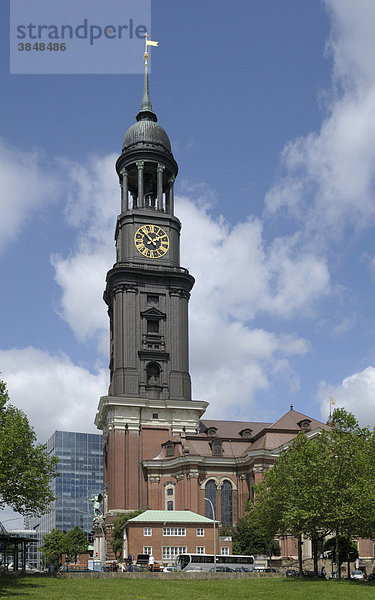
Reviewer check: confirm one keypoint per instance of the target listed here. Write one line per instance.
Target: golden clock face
(151, 241)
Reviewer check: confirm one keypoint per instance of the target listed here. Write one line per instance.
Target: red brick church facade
(159, 450)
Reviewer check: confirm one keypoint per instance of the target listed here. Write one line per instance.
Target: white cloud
(82, 281)
(93, 199)
(328, 180)
(26, 186)
(237, 279)
(352, 41)
(356, 394)
(52, 391)
(91, 208)
(240, 276)
(345, 325)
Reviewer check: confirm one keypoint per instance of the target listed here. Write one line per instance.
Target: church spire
(146, 112)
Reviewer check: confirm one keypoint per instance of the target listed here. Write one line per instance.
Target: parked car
(357, 574)
(308, 573)
(169, 569)
(222, 570)
(29, 569)
(73, 568)
(291, 573)
(194, 570)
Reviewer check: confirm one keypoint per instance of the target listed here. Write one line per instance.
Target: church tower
(147, 294)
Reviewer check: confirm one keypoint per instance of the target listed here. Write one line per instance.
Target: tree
(250, 537)
(322, 485)
(117, 530)
(56, 543)
(352, 511)
(25, 467)
(74, 543)
(292, 497)
(53, 548)
(347, 550)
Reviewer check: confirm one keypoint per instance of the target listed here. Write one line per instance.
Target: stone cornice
(161, 465)
(129, 413)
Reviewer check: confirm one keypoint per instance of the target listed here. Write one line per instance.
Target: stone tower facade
(160, 452)
(147, 294)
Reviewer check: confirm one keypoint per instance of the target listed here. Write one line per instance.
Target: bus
(205, 562)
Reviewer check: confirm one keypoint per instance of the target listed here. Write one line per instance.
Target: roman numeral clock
(151, 241)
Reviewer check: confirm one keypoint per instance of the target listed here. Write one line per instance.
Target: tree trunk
(300, 554)
(348, 567)
(338, 564)
(314, 543)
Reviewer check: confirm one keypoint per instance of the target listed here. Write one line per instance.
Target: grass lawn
(23, 588)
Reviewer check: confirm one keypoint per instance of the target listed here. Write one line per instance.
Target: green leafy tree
(117, 530)
(250, 536)
(292, 496)
(347, 549)
(322, 485)
(56, 543)
(53, 548)
(74, 543)
(352, 508)
(25, 467)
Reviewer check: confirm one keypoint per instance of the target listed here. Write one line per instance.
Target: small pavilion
(13, 550)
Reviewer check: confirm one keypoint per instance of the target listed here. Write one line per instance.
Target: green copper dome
(146, 132)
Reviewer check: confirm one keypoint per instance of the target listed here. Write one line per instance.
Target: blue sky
(270, 110)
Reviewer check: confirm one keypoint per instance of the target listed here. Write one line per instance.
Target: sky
(270, 110)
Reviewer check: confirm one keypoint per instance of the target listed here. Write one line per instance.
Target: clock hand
(158, 237)
(150, 238)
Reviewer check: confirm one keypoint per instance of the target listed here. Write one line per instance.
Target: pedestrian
(151, 562)
(130, 563)
(323, 572)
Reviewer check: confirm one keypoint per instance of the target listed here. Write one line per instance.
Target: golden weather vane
(148, 43)
(331, 403)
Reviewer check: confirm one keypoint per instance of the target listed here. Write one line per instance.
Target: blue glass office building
(80, 477)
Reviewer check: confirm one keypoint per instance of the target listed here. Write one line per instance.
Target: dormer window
(246, 433)
(211, 431)
(169, 449)
(305, 424)
(217, 448)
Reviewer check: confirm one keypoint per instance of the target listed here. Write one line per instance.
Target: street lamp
(12, 519)
(213, 516)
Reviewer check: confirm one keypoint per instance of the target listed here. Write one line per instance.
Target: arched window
(169, 496)
(226, 503)
(210, 494)
(153, 374)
